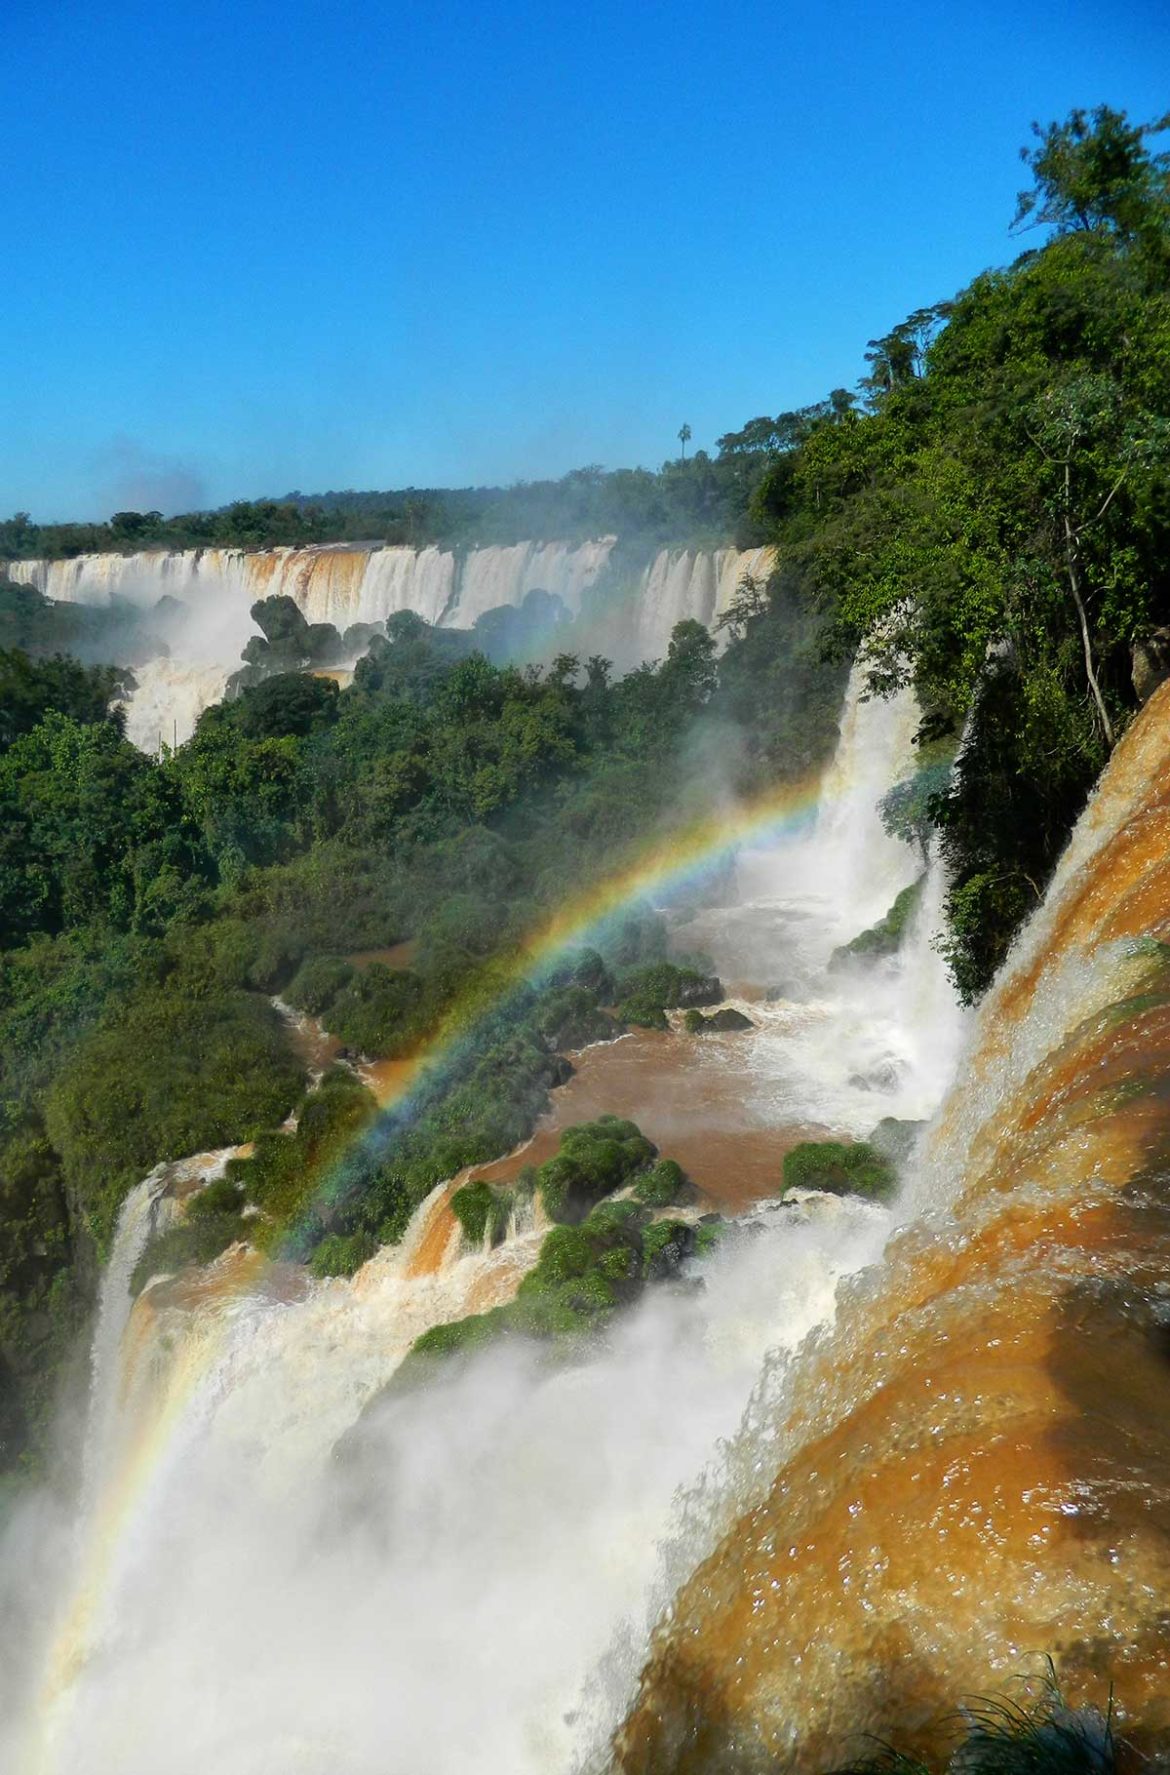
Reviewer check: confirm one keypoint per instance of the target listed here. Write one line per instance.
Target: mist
(438, 1599)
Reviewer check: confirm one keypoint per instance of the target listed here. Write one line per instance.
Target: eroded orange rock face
(974, 1469)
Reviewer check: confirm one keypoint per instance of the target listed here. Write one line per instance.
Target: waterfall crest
(349, 583)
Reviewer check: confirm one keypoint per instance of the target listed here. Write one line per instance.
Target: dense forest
(700, 500)
(986, 518)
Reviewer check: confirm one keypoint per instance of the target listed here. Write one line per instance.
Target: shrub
(380, 1011)
(641, 1010)
(885, 937)
(286, 1171)
(586, 970)
(317, 983)
(222, 1196)
(278, 955)
(165, 1077)
(199, 1239)
(342, 1254)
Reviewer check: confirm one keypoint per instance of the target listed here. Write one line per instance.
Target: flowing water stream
(236, 1597)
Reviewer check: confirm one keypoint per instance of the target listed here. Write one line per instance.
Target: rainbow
(673, 862)
(670, 863)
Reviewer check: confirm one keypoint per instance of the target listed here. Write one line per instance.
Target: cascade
(678, 584)
(968, 1473)
(345, 1617)
(348, 583)
(114, 1302)
(865, 869)
(168, 699)
(229, 1553)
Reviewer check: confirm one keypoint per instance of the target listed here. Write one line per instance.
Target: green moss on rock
(664, 1184)
(595, 1158)
(726, 1021)
(841, 1169)
(648, 993)
(885, 937)
(482, 1212)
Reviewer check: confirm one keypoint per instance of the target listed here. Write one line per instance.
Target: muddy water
(397, 955)
(691, 1095)
(974, 1471)
(312, 1044)
(387, 1079)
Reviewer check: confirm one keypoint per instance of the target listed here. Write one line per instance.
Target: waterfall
(147, 1206)
(113, 1312)
(862, 866)
(215, 588)
(491, 577)
(968, 1473)
(168, 700)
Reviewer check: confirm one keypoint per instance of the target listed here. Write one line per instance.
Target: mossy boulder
(482, 1212)
(841, 1169)
(662, 1186)
(665, 1246)
(895, 1139)
(726, 1021)
(595, 1158)
(585, 969)
(342, 1254)
(885, 937)
(570, 1018)
(646, 994)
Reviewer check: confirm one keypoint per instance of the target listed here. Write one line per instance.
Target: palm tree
(684, 438)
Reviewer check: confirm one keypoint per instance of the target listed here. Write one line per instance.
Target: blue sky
(254, 245)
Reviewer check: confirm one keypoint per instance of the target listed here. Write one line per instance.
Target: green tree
(1096, 170)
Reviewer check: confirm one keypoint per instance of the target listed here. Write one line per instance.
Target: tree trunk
(1074, 580)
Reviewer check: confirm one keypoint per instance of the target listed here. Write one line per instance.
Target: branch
(1081, 528)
